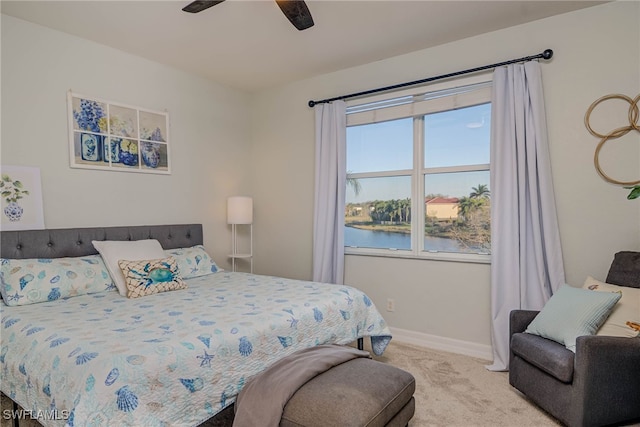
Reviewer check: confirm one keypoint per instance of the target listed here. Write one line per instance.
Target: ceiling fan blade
(200, 5)
(297, 13)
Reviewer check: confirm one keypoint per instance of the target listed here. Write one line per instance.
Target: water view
(385, 240)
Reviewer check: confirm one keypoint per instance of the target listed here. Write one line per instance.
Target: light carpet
(451, 390)
(457, 390)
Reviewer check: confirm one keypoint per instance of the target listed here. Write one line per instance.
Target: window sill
(429, 256)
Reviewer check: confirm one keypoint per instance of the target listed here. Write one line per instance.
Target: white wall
(597, 52)
(208, 134)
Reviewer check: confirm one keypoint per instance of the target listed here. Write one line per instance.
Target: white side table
(234, 257)
(234, 247)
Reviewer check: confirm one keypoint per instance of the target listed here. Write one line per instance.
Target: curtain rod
(547, 54)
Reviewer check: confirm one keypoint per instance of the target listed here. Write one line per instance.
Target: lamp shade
(239, 210)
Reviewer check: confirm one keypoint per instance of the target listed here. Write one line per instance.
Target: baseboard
(435, 342)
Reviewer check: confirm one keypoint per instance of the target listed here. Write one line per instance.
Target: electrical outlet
(391, 305)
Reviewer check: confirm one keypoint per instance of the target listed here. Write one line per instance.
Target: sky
(456, 137)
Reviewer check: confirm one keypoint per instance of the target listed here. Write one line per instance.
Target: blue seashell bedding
(173, 358)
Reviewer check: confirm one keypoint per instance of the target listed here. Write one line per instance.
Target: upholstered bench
(324, 386)
(360, 392)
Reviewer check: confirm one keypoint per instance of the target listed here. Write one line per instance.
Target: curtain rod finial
(547, 54)
(312, 104)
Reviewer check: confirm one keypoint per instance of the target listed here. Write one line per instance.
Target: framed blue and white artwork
(111, 136)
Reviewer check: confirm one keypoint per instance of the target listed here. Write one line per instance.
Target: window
(418, 175)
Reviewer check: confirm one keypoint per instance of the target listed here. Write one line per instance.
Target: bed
(171, 358)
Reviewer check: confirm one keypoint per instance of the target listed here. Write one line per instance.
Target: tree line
(471, 227)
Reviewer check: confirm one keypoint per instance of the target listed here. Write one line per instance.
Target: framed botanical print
(21, 190)
(111, 136)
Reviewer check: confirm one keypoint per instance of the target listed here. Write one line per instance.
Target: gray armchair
(599, 384)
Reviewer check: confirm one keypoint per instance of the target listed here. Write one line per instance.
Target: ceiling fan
(296, 11)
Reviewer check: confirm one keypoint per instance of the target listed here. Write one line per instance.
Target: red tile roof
(442, 200)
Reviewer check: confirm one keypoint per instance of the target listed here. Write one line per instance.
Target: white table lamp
(240, 212)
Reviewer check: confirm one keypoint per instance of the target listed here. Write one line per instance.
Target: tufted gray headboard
(74, 242)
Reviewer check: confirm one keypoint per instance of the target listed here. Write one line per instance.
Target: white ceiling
(250, 45)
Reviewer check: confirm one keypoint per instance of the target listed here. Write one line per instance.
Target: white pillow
(625, 317)
(113, 251)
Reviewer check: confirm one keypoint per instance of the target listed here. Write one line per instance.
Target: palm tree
(467, 206)
(481, 191)
(354, 184)
(378, 212)
(405, 205)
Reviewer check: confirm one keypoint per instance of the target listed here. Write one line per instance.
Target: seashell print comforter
(175, 358)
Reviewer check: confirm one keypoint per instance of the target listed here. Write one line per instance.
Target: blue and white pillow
(193, 261)
(148, 277)
(29, 281)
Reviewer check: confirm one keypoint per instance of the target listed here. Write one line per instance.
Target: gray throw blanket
(262, 400)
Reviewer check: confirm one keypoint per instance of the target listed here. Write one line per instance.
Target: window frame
(416, 103)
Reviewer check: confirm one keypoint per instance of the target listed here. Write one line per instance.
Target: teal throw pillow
(572, 312)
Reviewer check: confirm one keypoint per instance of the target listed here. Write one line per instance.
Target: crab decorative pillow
(149, 277)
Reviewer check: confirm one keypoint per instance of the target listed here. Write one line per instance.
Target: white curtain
(331, 176)
(526, 254)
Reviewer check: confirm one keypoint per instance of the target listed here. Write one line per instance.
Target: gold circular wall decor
(633, 116)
